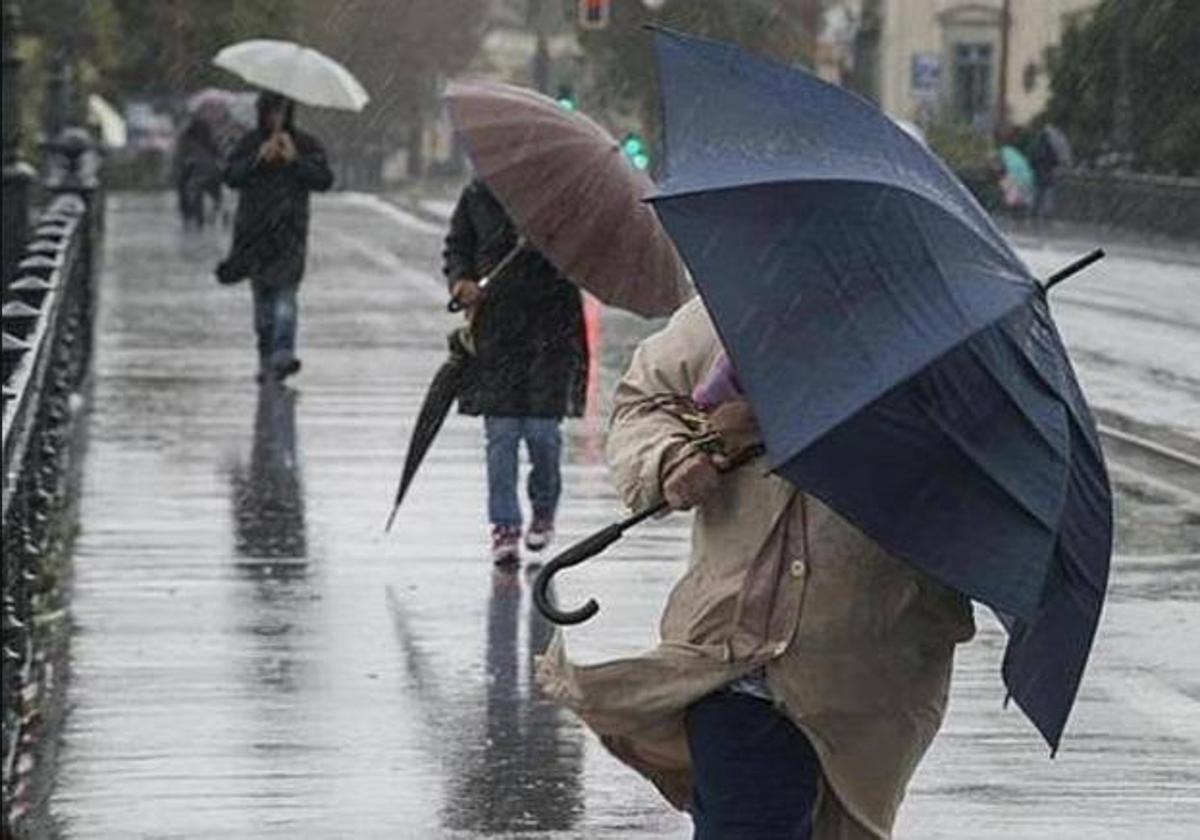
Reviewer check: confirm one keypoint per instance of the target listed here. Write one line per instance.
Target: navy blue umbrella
(900, 357)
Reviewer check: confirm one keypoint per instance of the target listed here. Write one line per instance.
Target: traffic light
(635, 149)
(594, 14)
(566, 98)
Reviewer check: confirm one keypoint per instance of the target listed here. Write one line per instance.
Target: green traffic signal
(634, 148)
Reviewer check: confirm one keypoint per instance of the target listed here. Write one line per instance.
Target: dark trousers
(754, 773)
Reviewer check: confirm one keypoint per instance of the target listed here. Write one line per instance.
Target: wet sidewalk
(254, 658)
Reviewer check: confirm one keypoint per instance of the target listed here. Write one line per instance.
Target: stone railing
(48, 307)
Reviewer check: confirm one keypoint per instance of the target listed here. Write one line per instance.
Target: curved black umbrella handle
(593, 545)
(573, 556)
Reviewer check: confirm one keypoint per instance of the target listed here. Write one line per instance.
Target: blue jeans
(754, 773)
(275, 316)
(543, 439)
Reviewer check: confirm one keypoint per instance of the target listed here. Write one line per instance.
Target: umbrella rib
(1062, 388)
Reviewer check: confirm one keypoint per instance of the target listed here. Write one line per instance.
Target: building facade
(929, 58)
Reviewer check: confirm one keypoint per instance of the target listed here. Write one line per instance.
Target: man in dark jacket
(275, 166)
(532, 363)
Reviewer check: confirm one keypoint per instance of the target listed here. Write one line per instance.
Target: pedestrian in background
(532, 364)
(197, 170)
(275, 167)
(1049, 152)
(1017, 181)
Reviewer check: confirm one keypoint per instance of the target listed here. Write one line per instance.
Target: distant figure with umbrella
(1050, 151)
(1018, 183)
(554, 196)
(197, 170)
(531, 362)
(276, 167)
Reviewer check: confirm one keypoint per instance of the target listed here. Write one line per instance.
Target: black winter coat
(270, 230)
(529, 332)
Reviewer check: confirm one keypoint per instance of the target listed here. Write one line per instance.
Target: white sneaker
(506, 545)
(540, 534)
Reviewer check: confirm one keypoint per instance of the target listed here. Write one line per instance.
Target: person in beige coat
(784, 604)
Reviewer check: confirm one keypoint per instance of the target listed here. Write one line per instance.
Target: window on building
(973, 82)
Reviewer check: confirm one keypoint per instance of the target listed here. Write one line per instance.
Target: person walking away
(532, 359)
(802, 671)
(197, 171)
(1017, 183)
(1050, 151)
(275, 167)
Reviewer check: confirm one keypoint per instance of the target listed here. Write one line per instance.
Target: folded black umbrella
(452, 379)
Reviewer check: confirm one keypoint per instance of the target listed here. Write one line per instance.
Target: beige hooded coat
(857, 646)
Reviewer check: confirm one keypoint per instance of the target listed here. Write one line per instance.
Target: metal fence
(1151, 204)
(48, 307)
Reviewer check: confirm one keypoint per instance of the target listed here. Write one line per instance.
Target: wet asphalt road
(253, 658)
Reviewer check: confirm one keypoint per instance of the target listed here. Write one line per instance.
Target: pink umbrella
(572, 193)
(210, 101)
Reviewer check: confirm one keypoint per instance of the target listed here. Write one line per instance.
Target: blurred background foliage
(622, 62)
(1163, 120)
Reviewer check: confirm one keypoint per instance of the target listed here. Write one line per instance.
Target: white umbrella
(300, 73)
(113, 130)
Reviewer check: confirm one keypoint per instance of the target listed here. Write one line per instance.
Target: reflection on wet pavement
(516, 770)
(268, 500)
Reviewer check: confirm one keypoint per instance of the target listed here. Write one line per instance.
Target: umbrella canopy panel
(567, 186)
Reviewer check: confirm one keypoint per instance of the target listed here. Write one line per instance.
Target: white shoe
(506, 545)
(540, 534)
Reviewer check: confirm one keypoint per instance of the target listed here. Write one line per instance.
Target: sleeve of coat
(643, 437)
(243, 164)
(458, 253)
(311, 166)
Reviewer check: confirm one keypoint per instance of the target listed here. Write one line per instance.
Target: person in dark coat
(1050, 151)
(275, 166)
(197, 171)
(532, 363)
